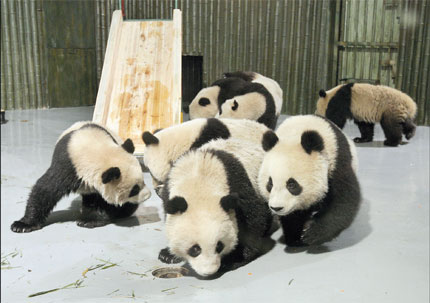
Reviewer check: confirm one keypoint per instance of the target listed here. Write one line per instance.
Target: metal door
(368, 41)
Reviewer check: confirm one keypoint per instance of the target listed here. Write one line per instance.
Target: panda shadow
(351, 236)
(142, 215)
(73, 213)
(377, 144)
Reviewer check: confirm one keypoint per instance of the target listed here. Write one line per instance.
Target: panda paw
(21, 227)
(91, 224)
(166, 257)
(311, 235)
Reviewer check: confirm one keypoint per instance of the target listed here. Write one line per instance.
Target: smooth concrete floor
(382, 257)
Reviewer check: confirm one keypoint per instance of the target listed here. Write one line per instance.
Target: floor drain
(170, 272)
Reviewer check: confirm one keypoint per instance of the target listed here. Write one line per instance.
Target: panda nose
(276, 208)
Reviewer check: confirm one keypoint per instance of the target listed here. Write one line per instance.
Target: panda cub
(215, 218)
(271, 85)
(165, 146)
(254, 102)
(308, 177)
(90, 160)
(207, 102)
(368, 104)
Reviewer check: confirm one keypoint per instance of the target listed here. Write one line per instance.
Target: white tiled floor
(382, 257)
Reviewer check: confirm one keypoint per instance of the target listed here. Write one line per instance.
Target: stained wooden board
(140, 87)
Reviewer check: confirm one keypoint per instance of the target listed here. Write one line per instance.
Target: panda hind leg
(44, 195)
(96, 212)
(392, 129)
(366, 131)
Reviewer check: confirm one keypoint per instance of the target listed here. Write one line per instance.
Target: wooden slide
(140, 85)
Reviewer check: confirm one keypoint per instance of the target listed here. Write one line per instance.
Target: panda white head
(294, 173)
(205, 104)
(248, 106)
(122, 180)
(201, 224)
(324, 99)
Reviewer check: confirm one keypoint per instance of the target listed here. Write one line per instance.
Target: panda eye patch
(134, 191)
(294, 187)
(194, 251)
(204, 101)
(269, 184)
(219, 247)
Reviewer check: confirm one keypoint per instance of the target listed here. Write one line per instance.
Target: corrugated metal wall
(414, 55)
(294, 42)
(23, 55)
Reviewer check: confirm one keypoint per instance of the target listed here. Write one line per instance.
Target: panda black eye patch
(204, 101)
(194, 251)
(134, 191)
(269, 184)
(294, 187)
(219, 247)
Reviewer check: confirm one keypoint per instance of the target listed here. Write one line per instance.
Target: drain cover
(170, 272)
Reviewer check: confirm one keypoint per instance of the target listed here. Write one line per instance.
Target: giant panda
(207, 102)
(90, 160)
(215, 218)
(368, 104)
(254, 102)
(308, 177)
(165, 146)
(271, 85)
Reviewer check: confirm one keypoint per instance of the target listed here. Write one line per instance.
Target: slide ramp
(140, 85)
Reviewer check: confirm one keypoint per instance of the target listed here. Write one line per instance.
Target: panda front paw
(21, 227)
(166, 257)
(310, 235)
(92, 224)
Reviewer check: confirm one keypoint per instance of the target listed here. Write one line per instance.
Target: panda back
(273, 87)
(249, 154)
(92, 150)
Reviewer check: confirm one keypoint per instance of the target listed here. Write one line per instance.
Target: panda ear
(128, 146)
(312, 141)
(149, 138)
(322, 93)
(204, 101)
(110, 174)
(235, 105)
(175, 205)
(229, 202)
(269, 140)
